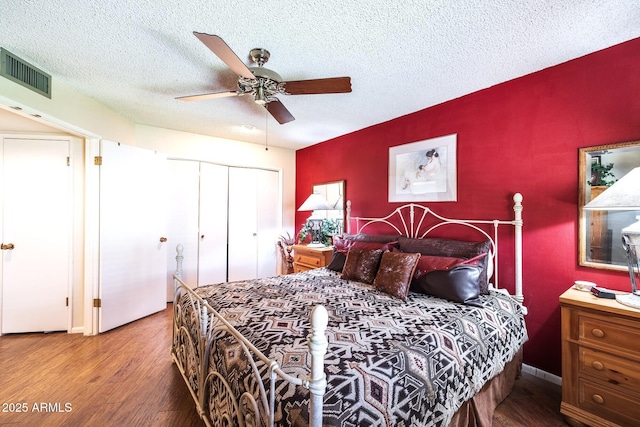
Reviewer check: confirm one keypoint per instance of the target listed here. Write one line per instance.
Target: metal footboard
(201, 337)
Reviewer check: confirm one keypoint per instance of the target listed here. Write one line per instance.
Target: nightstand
(600, 361)
(306, 258)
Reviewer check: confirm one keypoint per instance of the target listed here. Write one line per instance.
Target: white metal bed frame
(191, 354)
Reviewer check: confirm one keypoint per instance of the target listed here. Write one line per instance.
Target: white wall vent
(23, 73)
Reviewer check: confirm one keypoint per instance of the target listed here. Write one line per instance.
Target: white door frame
(91, 205)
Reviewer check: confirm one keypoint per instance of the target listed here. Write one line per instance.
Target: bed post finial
(348, 224)
(179, 258)
(318, 348)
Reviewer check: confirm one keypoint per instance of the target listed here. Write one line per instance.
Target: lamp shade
(315, 202)
(623, 195)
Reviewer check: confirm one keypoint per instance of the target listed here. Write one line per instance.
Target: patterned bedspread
(389, 362)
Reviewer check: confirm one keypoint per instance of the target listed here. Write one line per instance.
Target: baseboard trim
(542, 374)
(77, 330)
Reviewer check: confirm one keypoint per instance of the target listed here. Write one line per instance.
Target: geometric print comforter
(389, 362)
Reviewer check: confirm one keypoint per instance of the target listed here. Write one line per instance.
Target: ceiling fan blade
(279, 112)
(317, 86)
(224, 52)
(207, 96)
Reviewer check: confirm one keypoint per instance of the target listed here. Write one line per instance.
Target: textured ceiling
(137, 56)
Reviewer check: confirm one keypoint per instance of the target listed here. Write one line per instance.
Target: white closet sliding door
(197, 203)
(183, 194)
(269, 222)
(253, 223)
(212, 237)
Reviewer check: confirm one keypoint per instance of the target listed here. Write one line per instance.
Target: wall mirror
(600, 239)
(333, 193)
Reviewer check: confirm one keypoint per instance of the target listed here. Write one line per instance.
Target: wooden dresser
(306, 258)
(600, 361)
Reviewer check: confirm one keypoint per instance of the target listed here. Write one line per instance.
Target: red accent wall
(519, 136)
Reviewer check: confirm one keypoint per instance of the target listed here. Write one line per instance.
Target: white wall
(70, 112)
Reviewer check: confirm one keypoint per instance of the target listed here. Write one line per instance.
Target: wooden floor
(125, 377)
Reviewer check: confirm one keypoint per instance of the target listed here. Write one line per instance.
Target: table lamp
(315, 202)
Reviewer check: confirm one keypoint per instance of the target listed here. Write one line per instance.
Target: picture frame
(424, 171)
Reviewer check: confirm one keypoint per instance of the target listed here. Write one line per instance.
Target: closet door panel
(212, 238)
(243, 232)
(268, 219)
(183, 190)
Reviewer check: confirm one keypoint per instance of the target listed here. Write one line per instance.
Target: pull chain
(266, 130)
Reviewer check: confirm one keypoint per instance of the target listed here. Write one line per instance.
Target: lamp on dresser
(624, 194)
(315, 202)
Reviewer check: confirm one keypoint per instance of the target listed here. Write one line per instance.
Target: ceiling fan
(262, 83)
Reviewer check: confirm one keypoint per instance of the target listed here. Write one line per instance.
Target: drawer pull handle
(598, 366)
(598, 333)
(598, 399)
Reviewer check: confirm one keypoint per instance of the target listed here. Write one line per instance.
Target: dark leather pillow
(362, 264)
(372, 238)
(459, 284)
(395, 273)
(341, 246)
(450, 248)
(337, 260)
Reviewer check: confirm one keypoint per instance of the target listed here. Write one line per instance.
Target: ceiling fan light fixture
(260, 99)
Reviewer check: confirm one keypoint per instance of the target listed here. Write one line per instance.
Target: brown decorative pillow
(395, 273)
(362, 264)
(450, 248)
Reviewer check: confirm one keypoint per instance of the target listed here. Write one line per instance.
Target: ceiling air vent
(23, 73)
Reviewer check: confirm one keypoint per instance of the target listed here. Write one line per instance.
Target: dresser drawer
(621, 374)
(595, 330)
(612, 405)
(308, 260)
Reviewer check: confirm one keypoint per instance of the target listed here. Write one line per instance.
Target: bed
(401, 329)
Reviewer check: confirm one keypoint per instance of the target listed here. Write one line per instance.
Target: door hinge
(68, 161)
(97, 160)
(67, 302)
(97, 303)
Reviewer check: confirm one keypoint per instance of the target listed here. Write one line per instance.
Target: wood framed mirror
(599, 234)
(333, 193)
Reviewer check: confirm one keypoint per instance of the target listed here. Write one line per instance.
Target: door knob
(163, 239)
(8, 246)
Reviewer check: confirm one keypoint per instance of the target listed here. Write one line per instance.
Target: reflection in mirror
(333, 193)
(600, 243)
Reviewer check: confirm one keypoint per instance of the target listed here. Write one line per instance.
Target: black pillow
(451, 248)
(337, 261)
(459, 284)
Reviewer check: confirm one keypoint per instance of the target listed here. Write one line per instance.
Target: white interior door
(132, 221)
(182, 205)
(212, 249)
(243, 226)
(37, 219)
